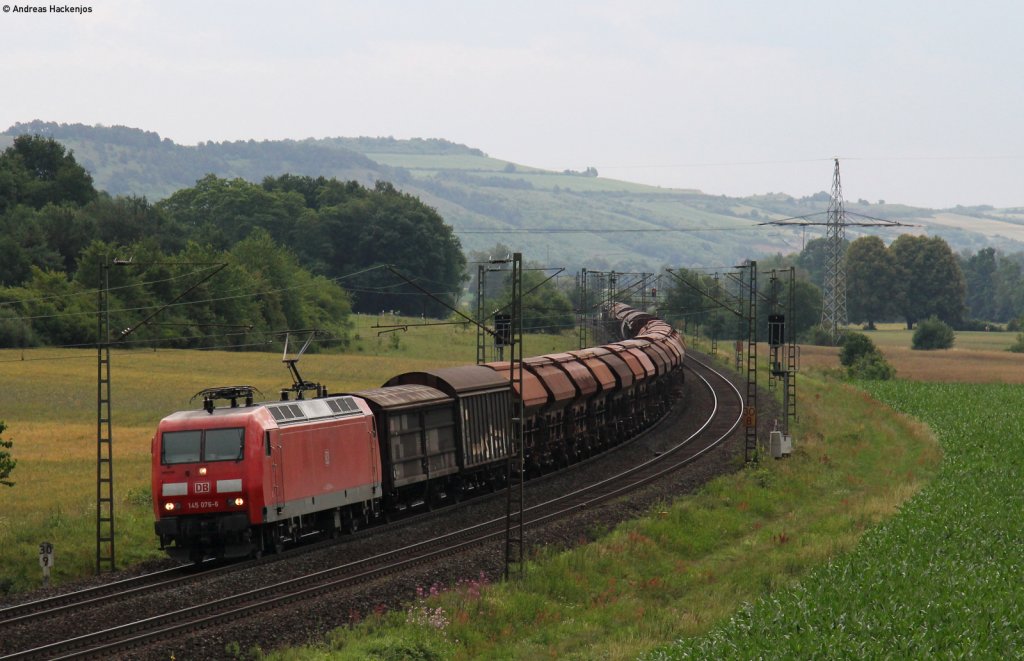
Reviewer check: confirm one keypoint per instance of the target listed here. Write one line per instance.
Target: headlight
(202, 470)
(238, 502)
(169, 507)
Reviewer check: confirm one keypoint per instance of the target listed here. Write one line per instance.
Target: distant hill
(484, 197)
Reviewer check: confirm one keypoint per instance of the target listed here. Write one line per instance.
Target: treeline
(912, 279)
(917, 277)
(130, 160)
(288, 247)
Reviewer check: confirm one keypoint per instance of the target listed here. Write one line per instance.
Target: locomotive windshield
(189, 447)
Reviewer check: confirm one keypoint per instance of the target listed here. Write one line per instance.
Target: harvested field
(946, 366)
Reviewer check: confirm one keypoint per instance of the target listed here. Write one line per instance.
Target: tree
(1009, 290)
(814, 259)
(684, 300)
(546, 309)
(870, 279)
(980, 271)
(37, 171)
(222, 212)
(808, 302)
(6, 463)
(929, 282)
(335, 229)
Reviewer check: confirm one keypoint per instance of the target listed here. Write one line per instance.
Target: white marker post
(46, 561)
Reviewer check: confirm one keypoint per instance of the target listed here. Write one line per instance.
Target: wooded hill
(483, 198)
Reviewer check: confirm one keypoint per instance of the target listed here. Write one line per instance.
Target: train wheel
(272, 540)
(256, 543)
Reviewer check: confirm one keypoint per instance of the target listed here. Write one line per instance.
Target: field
(49, 406)
(976, 357)
(870, 541)
(940, 579)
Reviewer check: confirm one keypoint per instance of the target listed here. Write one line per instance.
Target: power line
(198, 302)
(608, 230)
(93, 292)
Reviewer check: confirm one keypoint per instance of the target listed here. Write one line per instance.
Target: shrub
(818, 336)
(979, 325)
(872, 366)
(854, 346)
(933, 334)
(1018, 345)
(15, 332)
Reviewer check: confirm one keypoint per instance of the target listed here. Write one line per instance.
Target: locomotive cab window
(181, 447)
(189, 447)
(223, 445)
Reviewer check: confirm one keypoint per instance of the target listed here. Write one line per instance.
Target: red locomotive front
(232, 482)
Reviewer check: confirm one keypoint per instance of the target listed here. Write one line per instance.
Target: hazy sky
(921, 101)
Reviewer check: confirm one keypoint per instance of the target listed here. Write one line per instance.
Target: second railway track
(723, 417)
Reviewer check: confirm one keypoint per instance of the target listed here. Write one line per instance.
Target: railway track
(722, 420)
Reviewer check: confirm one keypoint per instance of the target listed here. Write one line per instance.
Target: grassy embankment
(49, 405)
(688, 564)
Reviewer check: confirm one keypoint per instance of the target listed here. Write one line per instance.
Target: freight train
(243, 479)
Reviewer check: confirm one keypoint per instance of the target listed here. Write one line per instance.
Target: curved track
(723, 418)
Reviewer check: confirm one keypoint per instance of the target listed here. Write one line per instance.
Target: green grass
(684, 566)
(941, 579)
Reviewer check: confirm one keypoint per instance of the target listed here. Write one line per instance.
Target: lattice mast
(515, 560)
(105, 557)
(833, 312)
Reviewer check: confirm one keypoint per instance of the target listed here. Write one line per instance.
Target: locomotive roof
(283, 412)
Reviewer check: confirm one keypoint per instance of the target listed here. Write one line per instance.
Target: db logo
(202, 487)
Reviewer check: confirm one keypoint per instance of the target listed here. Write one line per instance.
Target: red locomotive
(243, 479)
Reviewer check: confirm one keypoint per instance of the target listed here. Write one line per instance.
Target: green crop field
(942, 579)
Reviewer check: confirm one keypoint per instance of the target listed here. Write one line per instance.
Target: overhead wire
(197, 302)
(94, 292)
